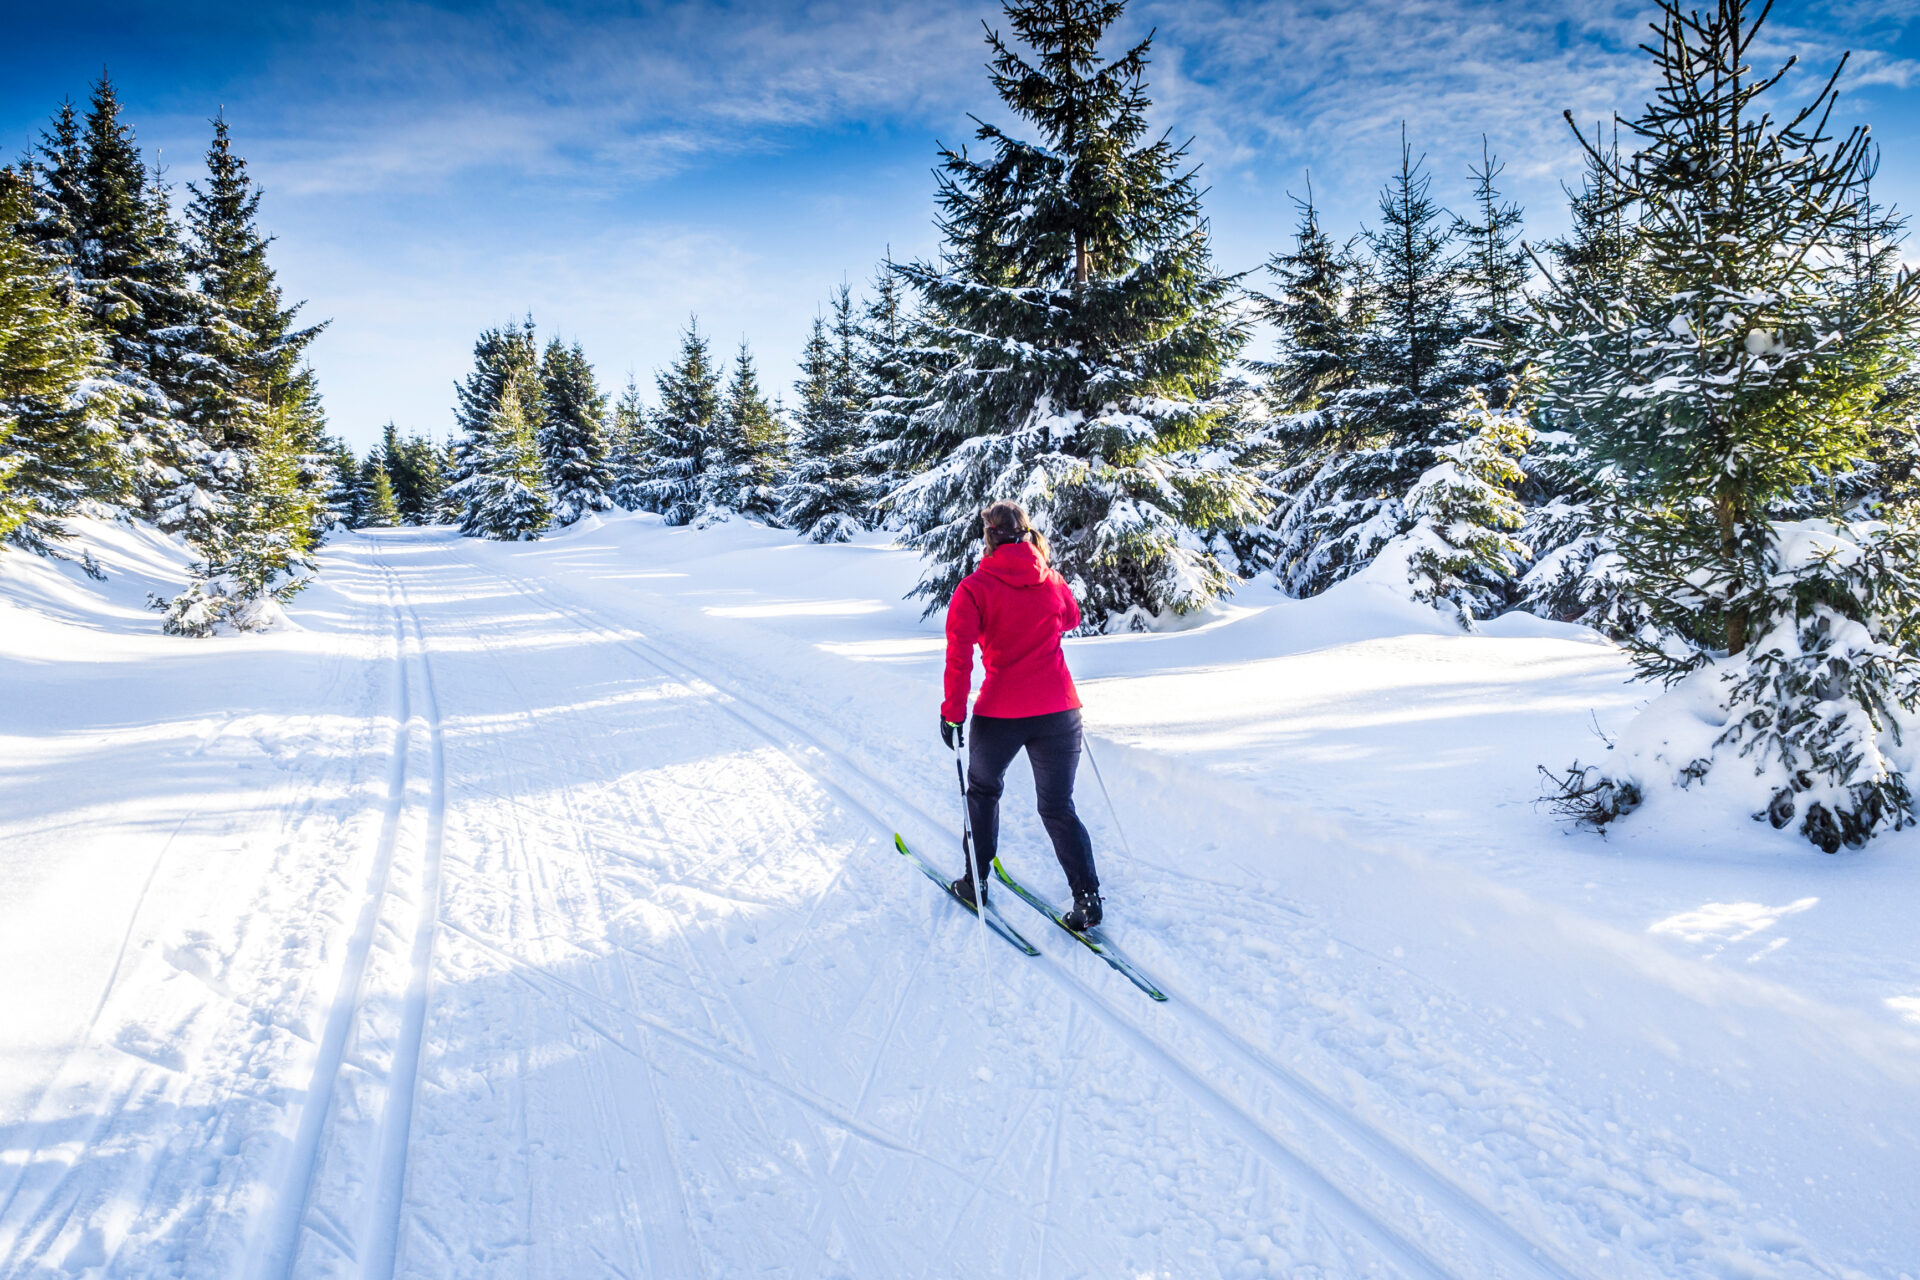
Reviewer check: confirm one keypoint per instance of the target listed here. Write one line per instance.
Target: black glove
(954, 735)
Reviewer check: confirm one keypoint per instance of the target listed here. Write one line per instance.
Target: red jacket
(1016, 609)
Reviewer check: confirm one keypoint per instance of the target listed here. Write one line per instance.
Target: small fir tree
(345, 499)
(1461, 554)
(257, 557)
(500, 356)
(744, 457)
(572, 437)
(680, 433)
(890, 375)
(505, 498)
(626, 449)
(382, 511)
(828, 493)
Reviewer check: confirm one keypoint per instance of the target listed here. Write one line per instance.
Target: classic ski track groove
(380, 1252)
(309, 1146)
(283, 1244)
(1527, 1256)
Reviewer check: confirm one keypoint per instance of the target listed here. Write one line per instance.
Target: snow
(530, 909)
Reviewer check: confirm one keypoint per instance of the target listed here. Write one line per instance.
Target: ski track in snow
(565, 945)
(1518, 1255)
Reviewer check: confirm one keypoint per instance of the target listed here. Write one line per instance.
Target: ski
(1093, 940)
(994, 922)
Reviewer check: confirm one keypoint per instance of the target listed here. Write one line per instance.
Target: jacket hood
(1018, 564)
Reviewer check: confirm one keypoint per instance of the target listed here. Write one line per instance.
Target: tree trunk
(1080, 266)
(1727, 507)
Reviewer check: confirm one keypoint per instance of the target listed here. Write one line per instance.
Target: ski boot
(1084, 914)
(963, 890)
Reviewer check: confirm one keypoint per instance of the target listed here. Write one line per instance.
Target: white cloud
(601, 96)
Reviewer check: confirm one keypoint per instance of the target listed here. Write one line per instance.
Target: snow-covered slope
(532, 910)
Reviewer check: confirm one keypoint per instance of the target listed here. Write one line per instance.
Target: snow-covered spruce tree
(1458, 549)
(345, 501)
(889, 378)
(1082, 316)
(256, 556)
(383, 512)
(1460, 554)
(1493, 271)
(572, 436)
(1742, 362)
(627, 438)
(680, 433)
(500, 356)
(415, 470)
(131, 276)
(251, 356)
(744, 459)
(1321, 307)
(419, 473)
(505, 497)
(1577, 574)
(1388, 426)
(252, 408)
(827, 493)
(56, 410)
(1890, 477)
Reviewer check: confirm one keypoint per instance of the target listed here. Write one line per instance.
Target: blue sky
(431, 169)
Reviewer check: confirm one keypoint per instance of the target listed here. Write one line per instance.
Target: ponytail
(1007, 522)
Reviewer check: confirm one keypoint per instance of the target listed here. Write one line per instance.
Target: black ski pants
(1052, 744)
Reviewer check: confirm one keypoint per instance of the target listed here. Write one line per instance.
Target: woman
(1015, 607)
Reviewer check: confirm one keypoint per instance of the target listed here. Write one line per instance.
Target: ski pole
(973, 872)
(1120, 830)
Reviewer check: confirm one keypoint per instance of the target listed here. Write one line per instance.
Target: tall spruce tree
(827, 493)
(132, 277)
(681, 431)
(1741, 364)
(1577, 573)
(55, 173)
(572, 437)
(1403, 407)
(252, 355)
(744, 458)
(246, 394)
(1321, 307)
(56, 412)
(500, 356)
(1083, 322)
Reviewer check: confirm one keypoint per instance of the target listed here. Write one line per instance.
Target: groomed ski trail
(1418, 1187)
(532, 911)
